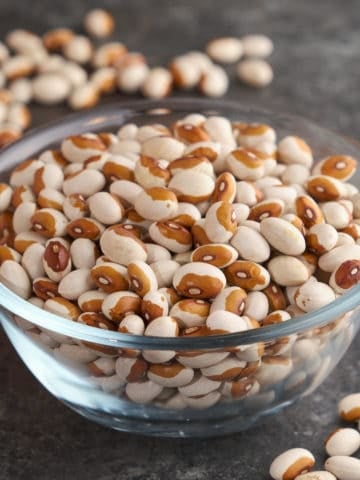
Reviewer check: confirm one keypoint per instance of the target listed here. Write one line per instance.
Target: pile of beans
(204, 227)
(63, 65)
(340, 445)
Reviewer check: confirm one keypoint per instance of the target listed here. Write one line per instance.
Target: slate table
(317, 75)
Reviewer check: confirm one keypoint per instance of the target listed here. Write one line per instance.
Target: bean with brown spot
(110, 277)
(141, 277)
(218, 254)
(132, 324)
(230, 299)
(156, 203)
(291, 463)
(91, 301)
(341, 167)
(154, 304)
(49, 222)
(171, 235)
(190, 312)
(56, 259)
(220, 222)
(192, 187)
(199, 280)
(345, 276)
(247, 275)
(63, 307)
(171, 375)
(84, 228)
(119, 304)
(293, 149)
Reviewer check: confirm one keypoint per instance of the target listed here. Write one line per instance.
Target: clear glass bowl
(299, 354)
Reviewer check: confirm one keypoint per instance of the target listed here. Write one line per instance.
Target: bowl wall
(231, 386)
(291, 367)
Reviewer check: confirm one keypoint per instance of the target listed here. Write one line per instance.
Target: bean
(221, 322)
(343, 441)
(24, 173)
(345, 276)
(192, 187)
(91, 301)
(343, 467)
(122, 246)
(214, 82)
(313, 295)
(84, 96)
(219, 255)
(6, 193)
(62, 306)
(56, 259)
(154, 304)
(149, 172)
(119, 304)
(291, 463)
(266, 208)
(331, 260)
(157, 83)
(256, 45)
(99, 23)
(288, 271)
(324, 188)
(170, 375)
(190, 312)
(321, 238)
(49, 222)
(126, 190)
(14, 277)
(8, 253)
(110, 277)
(143, 392)
(75, 283)
(283, 236)
(199, 280)
(132, 324)
(341, 167)
(132, 71)
(349, 407)
(225, 49)
(247, 275)
(336, 214)
(165, 271)
(105, 208)
(51, 198)
(161, 327)
(171, 235)
(250, 244)
(255, 72)
(156, 203)
(22, 217)
(78, 148)
(295, 150)
(141, 277)
(86, 182)
(102, 366)
(50, 88)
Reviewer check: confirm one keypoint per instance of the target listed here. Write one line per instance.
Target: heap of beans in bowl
(204, 227)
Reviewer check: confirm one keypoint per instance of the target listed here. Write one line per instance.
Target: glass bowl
(276, 365)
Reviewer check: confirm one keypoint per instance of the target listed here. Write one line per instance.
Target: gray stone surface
(317, 74)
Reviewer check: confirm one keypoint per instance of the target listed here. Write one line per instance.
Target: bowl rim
(11, 302)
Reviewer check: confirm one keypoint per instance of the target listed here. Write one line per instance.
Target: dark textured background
(317, 74)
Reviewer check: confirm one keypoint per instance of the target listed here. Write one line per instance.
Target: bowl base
(174, 429)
